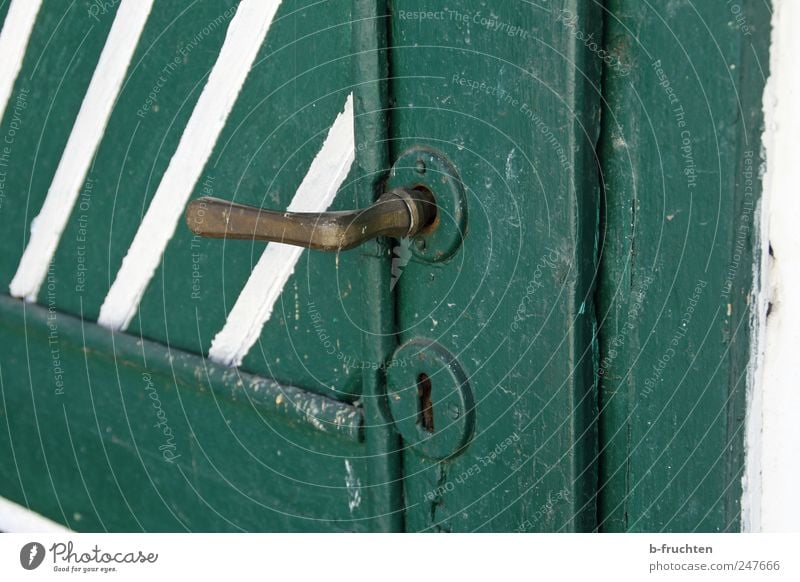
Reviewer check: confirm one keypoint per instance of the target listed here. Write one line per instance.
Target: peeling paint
(353, 484)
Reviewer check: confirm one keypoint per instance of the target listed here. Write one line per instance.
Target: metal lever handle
(398, 213)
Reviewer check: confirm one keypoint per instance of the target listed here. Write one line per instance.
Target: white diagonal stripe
(254, 305)
(47, 227)
(13, 42)
(243, 39)
(15, 518)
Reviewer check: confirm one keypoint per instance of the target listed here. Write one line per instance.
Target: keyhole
(425, 402)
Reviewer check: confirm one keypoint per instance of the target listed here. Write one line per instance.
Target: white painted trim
(751, 478)
(15, 518)
(772, 471)
(254, 305)
(243, 40)
(14, 39)
(48, 226)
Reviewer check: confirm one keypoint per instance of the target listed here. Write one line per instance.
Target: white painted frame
(771, 482)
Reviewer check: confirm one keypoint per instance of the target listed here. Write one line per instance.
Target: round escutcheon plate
(426, 167)
(430, 399)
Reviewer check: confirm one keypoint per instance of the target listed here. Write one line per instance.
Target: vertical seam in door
(370, 36)
(607, 318)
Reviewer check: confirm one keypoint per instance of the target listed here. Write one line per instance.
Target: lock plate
(426, 167)
(430, 399)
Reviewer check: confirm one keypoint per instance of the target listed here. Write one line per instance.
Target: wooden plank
(81, 147)
(681, 155)
(511, 97)
(239, 467)
(101, 431)
(260, 158)
(170, 66)
(59, 62)
(244, 36)
(297, 87)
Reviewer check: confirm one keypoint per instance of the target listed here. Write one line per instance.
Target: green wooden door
(134, 428)
(492, 89)
(681, 159)
(462, 381)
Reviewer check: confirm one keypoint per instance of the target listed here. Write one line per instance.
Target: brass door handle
(400, 212)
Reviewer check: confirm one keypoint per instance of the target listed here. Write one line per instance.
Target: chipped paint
(511, 175)
(353, 484)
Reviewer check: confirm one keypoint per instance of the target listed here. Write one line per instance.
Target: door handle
(400, 212)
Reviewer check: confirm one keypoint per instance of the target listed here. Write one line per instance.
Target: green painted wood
(511, 98)
(143, 131)
(238, 431)
(115, 477)
(102, 431)
(372, 164)
(680, 155)
(297, 87)
(62, 53)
